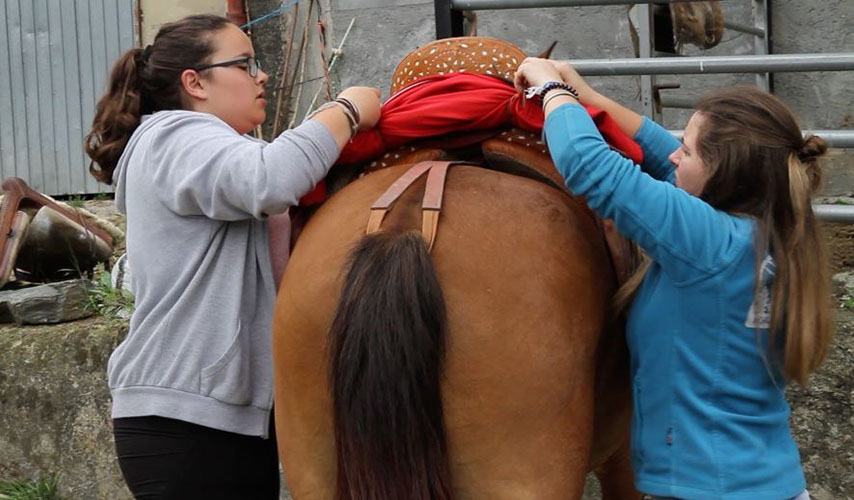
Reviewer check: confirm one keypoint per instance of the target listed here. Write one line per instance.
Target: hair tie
(146, 54)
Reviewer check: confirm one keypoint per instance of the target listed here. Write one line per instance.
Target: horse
(479, 360)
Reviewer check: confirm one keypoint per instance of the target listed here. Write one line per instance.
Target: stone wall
(55, 406)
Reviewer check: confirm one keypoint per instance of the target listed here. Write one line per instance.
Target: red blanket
(459, 102)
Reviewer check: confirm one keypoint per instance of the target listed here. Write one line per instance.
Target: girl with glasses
(192, 382)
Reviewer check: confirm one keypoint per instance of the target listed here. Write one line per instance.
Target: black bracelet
(548, 87)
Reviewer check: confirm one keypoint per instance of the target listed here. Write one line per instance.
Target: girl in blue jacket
(735, 300)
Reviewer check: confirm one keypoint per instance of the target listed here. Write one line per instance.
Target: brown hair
(144, 82)
(761, 166)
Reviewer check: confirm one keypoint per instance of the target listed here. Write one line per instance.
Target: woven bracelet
(351, 120)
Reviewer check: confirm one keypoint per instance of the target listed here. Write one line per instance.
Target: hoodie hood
(140, 138)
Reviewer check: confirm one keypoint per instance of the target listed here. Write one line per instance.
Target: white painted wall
(155, 13)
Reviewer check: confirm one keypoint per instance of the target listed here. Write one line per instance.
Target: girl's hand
(534, 72)
(570, 76)
(367, 99)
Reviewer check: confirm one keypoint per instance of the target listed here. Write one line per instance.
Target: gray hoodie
(196, 194)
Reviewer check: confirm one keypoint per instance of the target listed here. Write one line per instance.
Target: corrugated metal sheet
(55, 56)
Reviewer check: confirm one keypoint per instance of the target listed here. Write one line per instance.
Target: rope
(272, 14)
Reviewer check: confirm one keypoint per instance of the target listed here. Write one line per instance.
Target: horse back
(526, 279)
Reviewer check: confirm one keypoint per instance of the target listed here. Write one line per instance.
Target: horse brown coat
(535, 378)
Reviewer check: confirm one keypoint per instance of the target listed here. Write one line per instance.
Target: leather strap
(401, 184)
(431, 205)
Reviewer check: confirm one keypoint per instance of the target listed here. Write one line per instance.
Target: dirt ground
(823, 414)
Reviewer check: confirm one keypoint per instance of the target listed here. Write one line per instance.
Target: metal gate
(449, 22)
(55, 57)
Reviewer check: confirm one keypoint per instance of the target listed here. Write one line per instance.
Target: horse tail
(387, 345)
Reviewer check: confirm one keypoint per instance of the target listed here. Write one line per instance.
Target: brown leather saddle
(512, 150)
(43, 241)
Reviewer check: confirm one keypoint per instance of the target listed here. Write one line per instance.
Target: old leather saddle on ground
(43, 241)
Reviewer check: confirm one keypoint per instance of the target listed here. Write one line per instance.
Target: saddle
(42, 240)
(510, 150)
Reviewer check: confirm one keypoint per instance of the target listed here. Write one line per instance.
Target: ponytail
(144, 82)
(803, 291)
(117, 115)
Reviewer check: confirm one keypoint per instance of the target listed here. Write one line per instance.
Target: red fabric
(456, 102)
(459, 102)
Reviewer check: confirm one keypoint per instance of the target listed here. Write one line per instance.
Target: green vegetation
(40, 489)
(106, 300)
(76, 201)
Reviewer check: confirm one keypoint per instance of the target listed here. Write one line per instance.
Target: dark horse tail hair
(387, 346)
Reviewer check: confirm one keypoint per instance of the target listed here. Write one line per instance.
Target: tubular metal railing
(449, 22)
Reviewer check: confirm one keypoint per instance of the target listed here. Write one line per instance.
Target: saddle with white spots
(511, 150)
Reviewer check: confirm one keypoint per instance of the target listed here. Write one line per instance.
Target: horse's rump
(526, 280)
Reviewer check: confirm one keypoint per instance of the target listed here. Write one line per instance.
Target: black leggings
(162, 459)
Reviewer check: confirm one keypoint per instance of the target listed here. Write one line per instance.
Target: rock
(120, 276)
(846, 281)
(49, 303)
(55, 406)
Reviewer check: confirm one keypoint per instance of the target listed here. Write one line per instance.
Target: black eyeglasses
(252, 65)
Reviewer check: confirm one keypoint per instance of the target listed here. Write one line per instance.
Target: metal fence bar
(779, 63)
(449, 21)
(677, 102)
(838, 214)
(842, 139)
(743, 28)
(646, 37)
(530, 4)
(762, 43)
(837, 138)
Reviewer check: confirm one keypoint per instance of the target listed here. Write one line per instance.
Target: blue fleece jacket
(710, 416)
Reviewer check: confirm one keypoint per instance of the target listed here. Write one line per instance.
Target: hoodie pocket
(228, 379)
